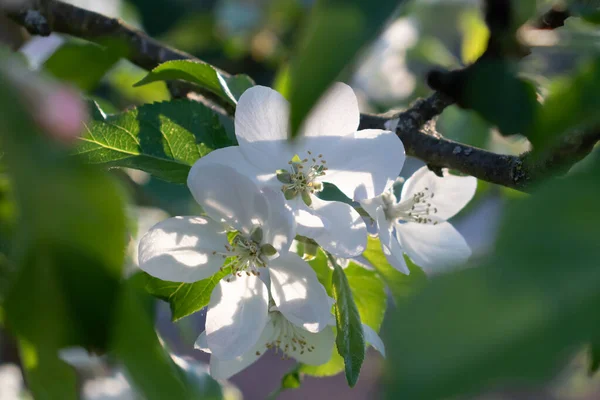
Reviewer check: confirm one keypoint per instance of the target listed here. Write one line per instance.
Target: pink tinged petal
(335, 114)
(237, 314)
(372, 338)
(433, 247)
(389, 243)
(225, 369)
(323, 347)
(262, 127)
(180, 249)
(280, 229)
(344, 233)
(362, 163)
(229, 197)
(451, 193)
(298, 294)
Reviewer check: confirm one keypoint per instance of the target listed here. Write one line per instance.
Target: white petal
(371, 205)
(201, 343)
(361, 164)
(280, 229)
(231, 157)
(262, 127)
(229, 197)
(224, 369)
(237, 314)
(372, 338)
(335, 114)
(389, 243)
(451, 193)
(433, 247)
(323, 343)
(180, 249)
(298, 294)
(344, 233)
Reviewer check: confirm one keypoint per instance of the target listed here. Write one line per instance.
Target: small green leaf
(184, 298)
(475, 35)
(336, 31)
(321, 267)
(369, 295)
(350, 341)
(164, 139)
(203, 75)
(402, 286)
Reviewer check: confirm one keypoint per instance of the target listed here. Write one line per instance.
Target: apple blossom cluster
(258, 196)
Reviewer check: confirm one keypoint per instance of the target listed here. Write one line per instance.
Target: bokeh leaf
(336, 31)
(164, 139)
(368, 291)
(515, 318)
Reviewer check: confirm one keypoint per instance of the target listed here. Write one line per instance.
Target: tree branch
(415, 126)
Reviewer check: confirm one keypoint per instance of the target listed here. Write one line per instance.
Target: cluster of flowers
(259, 195)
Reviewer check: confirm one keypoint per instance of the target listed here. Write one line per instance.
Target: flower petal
(389, 243)
(323, 347)
(231, 157)
(362, 163)
(450, 193)
(280, 229)
(229, 197)
(262, 127)
(237, 314)
(372, 338)
(201, 343)
(224, 369)
(344, 233)
(335, 114)
(180, 249)
(298, 294)
(433, 247)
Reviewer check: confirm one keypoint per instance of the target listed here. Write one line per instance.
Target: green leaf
(323, 271)
(137, 346)
(349, 340)
(83, 63)
(402, 286)
(164, 139)
(184, 298)
(336, 31)
(519, 315)
(204, 75)
(514, 104)
(475, 35)
(572, 103)
(368, 291)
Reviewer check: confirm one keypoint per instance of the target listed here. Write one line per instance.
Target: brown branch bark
(415, 126)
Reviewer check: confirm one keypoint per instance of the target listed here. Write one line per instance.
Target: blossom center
(287, 338)
(417, 208)
(303, 177)
(246, 253)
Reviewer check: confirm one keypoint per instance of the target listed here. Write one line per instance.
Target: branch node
(36, 23)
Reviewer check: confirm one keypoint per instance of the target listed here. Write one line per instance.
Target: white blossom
(416, 224)
(280, 334)
(247, 230)
(329, 149)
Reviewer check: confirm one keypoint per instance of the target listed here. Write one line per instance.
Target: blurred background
(255, 37)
